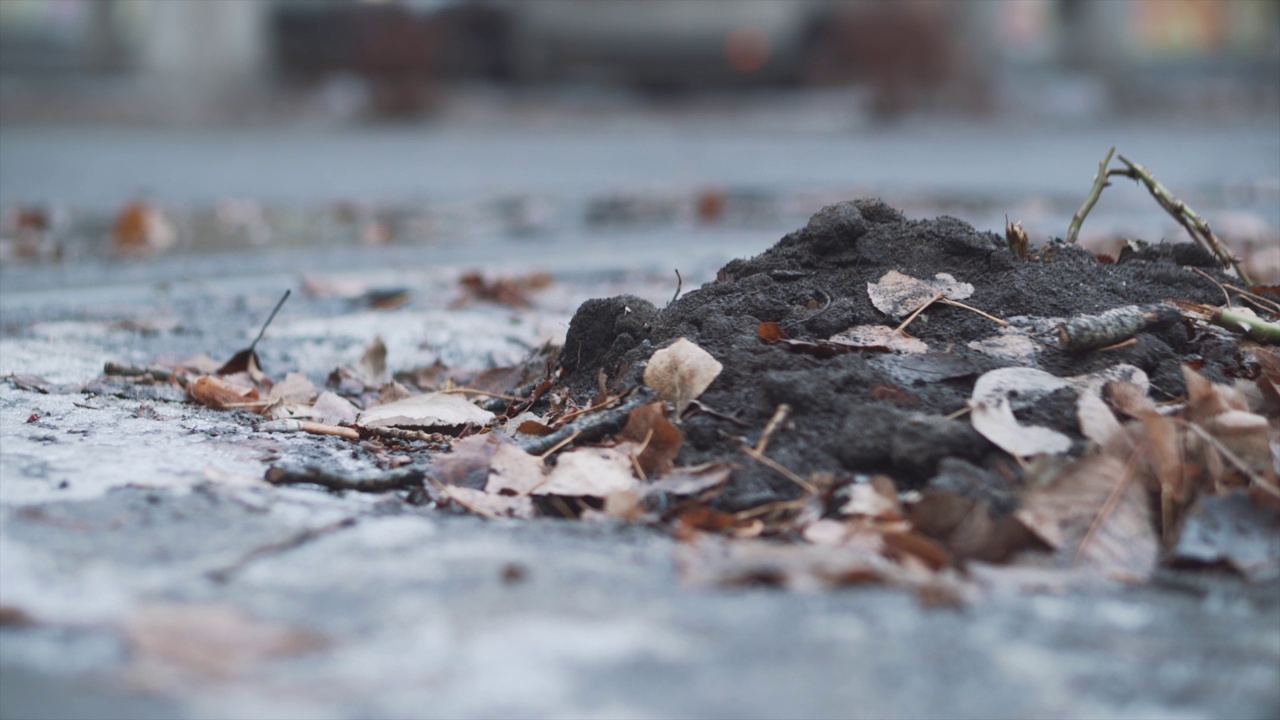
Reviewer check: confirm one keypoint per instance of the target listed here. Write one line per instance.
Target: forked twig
(1099, 182)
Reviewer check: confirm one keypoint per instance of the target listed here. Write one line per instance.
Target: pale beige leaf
(899, 295)
(513, 471)
(333, 409)
(1097, 515)
(681, 372)
(591, 471)
(425, 411)
(488, 504)
(879, 336)
(295, 388)
(1097, 422)
(994, 420)
(1009, 343)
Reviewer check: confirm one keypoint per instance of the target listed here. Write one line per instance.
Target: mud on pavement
(892, 412)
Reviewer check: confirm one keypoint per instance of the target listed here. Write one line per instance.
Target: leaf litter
(779, 425)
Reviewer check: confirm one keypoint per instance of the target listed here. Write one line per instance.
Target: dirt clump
(888, 412)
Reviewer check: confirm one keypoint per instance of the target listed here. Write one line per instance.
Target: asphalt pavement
(137, 540)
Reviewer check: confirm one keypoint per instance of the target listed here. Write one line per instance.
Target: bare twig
(593, 426)
(1251, 326)
(402, 478)
(396, 433)
(970, 308)
(473, 391)
(779, 468)
(679, 284)
(1090, 332)
(1099, 182)
(1196, 226)
(1265, 303)
(779, 416)
(313, 428)
(1226, 296)
(919, 310)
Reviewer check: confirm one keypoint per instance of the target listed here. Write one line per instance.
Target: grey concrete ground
(129, 525)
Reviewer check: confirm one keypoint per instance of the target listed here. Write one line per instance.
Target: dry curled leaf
(215, 392)
(874, 337)
(1097, 422)
(468, 463)
(681, 372)
(660, 441)
(691, 481)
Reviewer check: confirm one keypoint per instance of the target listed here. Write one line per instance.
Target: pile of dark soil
(886, 413)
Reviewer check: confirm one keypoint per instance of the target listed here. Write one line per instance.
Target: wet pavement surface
(126, 523)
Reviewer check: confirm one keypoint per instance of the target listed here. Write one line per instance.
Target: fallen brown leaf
(660, 441)
(215, 392)
(1094, 513)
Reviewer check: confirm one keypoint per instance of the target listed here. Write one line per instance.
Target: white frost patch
(464, 338)
(58, 361)
(33, 581)
(93, 451)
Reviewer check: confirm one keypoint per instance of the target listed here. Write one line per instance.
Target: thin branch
(970, 308)
(402, 478)
(1225, 295)
(779, 415)
(1196, 226)
(779, 468)
(919, 310)
(1099, 182)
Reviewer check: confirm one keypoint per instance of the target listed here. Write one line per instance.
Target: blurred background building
(131, 59)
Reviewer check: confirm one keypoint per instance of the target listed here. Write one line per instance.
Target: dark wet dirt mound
(885, 412)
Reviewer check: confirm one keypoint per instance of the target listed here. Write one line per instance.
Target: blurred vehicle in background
(401, 57)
